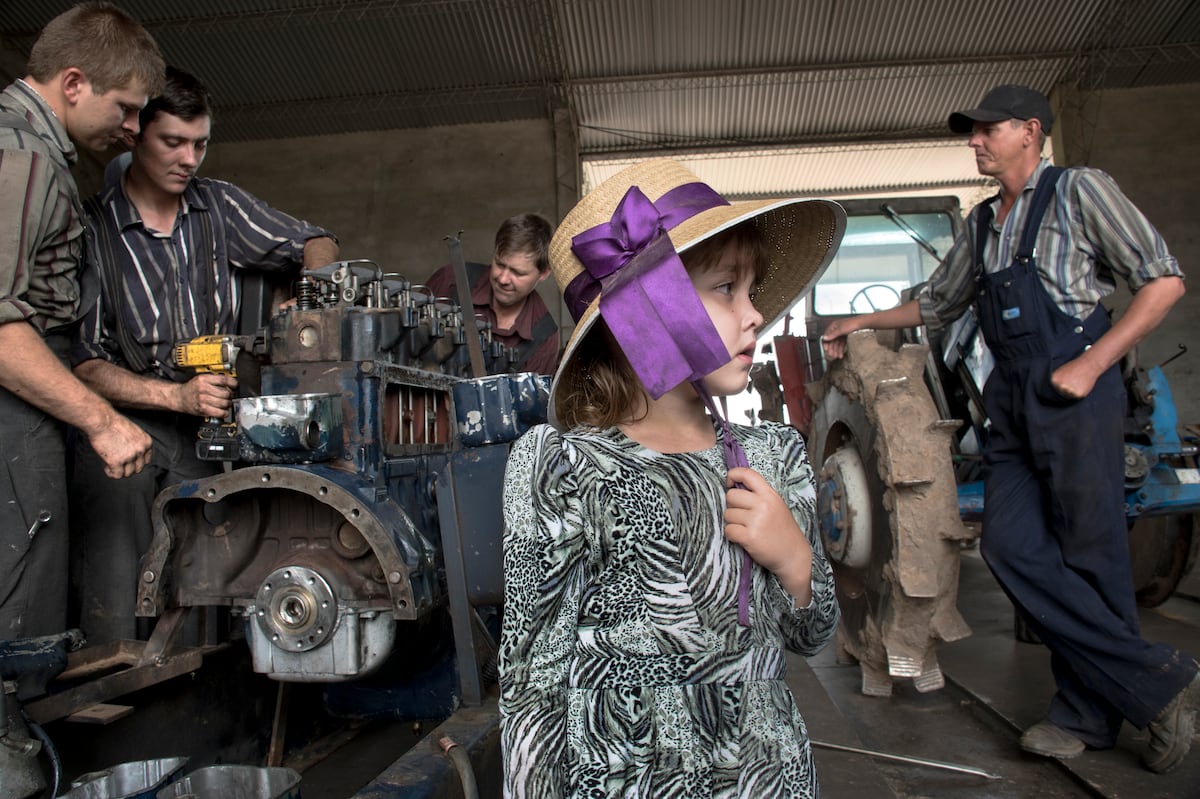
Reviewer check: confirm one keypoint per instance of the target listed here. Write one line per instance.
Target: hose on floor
(462, 764)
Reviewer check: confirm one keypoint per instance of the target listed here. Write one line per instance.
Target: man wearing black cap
(1036, 260)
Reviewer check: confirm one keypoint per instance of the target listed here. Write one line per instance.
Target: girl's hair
(603, 389)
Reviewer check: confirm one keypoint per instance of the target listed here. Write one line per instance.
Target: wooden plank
(100, 713)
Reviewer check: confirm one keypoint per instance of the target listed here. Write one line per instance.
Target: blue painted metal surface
(828, 511)
(970, 501)
(499, 408)
(1168, 488)
(425, 772)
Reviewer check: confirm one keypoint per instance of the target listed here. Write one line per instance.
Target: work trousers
(33, 481)
(1054, 529)
(113, 526)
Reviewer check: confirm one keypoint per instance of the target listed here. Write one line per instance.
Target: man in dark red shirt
(504, 294)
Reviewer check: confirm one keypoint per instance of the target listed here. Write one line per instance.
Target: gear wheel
(888, 507)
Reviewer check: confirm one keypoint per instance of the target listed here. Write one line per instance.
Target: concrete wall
(1142, 137)
(392, 196)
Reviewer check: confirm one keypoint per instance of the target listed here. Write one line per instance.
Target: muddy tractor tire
(888, 507)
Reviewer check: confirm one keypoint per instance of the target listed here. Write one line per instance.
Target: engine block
(326, 536)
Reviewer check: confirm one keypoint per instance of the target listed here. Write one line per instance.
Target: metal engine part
(320, 566)
(333, 533)
(20, 772)
(1136, 467)
(889, 512)
(296, 611)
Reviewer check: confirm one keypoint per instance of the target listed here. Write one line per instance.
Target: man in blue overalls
(1036, 260)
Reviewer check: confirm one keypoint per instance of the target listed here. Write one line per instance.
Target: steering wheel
(865, 293)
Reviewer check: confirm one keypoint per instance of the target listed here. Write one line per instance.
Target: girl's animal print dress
(624, 671)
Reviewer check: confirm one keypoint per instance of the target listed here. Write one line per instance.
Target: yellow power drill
(216, 440)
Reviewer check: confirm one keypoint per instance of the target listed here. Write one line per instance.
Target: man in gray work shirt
(90, 71)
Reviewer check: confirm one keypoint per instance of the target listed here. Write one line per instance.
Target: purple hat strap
(734, 456)
(646, 297)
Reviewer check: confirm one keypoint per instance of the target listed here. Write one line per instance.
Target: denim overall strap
(1037, 209)
(1018, 317)
(1038, 205)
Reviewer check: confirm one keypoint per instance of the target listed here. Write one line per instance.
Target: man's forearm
(902, 316)
(319, 251)
(32, 372)
(906, 315)
(1145, 312)
(123, 388)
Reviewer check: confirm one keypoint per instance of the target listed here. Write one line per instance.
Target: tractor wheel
(888, 508)
(1159, 550)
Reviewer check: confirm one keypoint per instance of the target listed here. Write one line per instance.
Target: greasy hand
(833, 340)
(123, 446)
(1074, 379)
(207, 395)
(757, 519)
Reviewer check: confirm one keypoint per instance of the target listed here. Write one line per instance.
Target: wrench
(41, 519)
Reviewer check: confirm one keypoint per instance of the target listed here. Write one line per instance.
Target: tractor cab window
(881, 257)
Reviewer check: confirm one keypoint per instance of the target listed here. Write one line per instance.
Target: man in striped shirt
(90, 71)
(1036, 260)
(180, 247)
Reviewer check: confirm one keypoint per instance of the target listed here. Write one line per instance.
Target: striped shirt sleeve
(39, 242)
(1091, 236)
(259, 236)
(1113, 233)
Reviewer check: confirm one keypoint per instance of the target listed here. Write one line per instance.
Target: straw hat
(800, 238)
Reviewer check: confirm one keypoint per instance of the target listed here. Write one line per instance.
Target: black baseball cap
(1005, 102)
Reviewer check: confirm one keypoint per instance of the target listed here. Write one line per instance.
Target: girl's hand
(758, 520)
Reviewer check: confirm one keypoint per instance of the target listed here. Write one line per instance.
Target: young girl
(653, 580)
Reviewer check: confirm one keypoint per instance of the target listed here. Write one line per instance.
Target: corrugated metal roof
(800, 106)
(647, 77)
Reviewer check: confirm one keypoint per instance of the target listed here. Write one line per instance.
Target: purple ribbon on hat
(650, 305)
(646, 297)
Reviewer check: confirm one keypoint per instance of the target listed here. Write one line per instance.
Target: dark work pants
(33, 572)
(112, 525)
(1054, 534)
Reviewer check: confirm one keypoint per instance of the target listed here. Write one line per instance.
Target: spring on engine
(306, 294)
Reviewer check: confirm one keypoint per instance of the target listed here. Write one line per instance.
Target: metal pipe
(916, 761)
